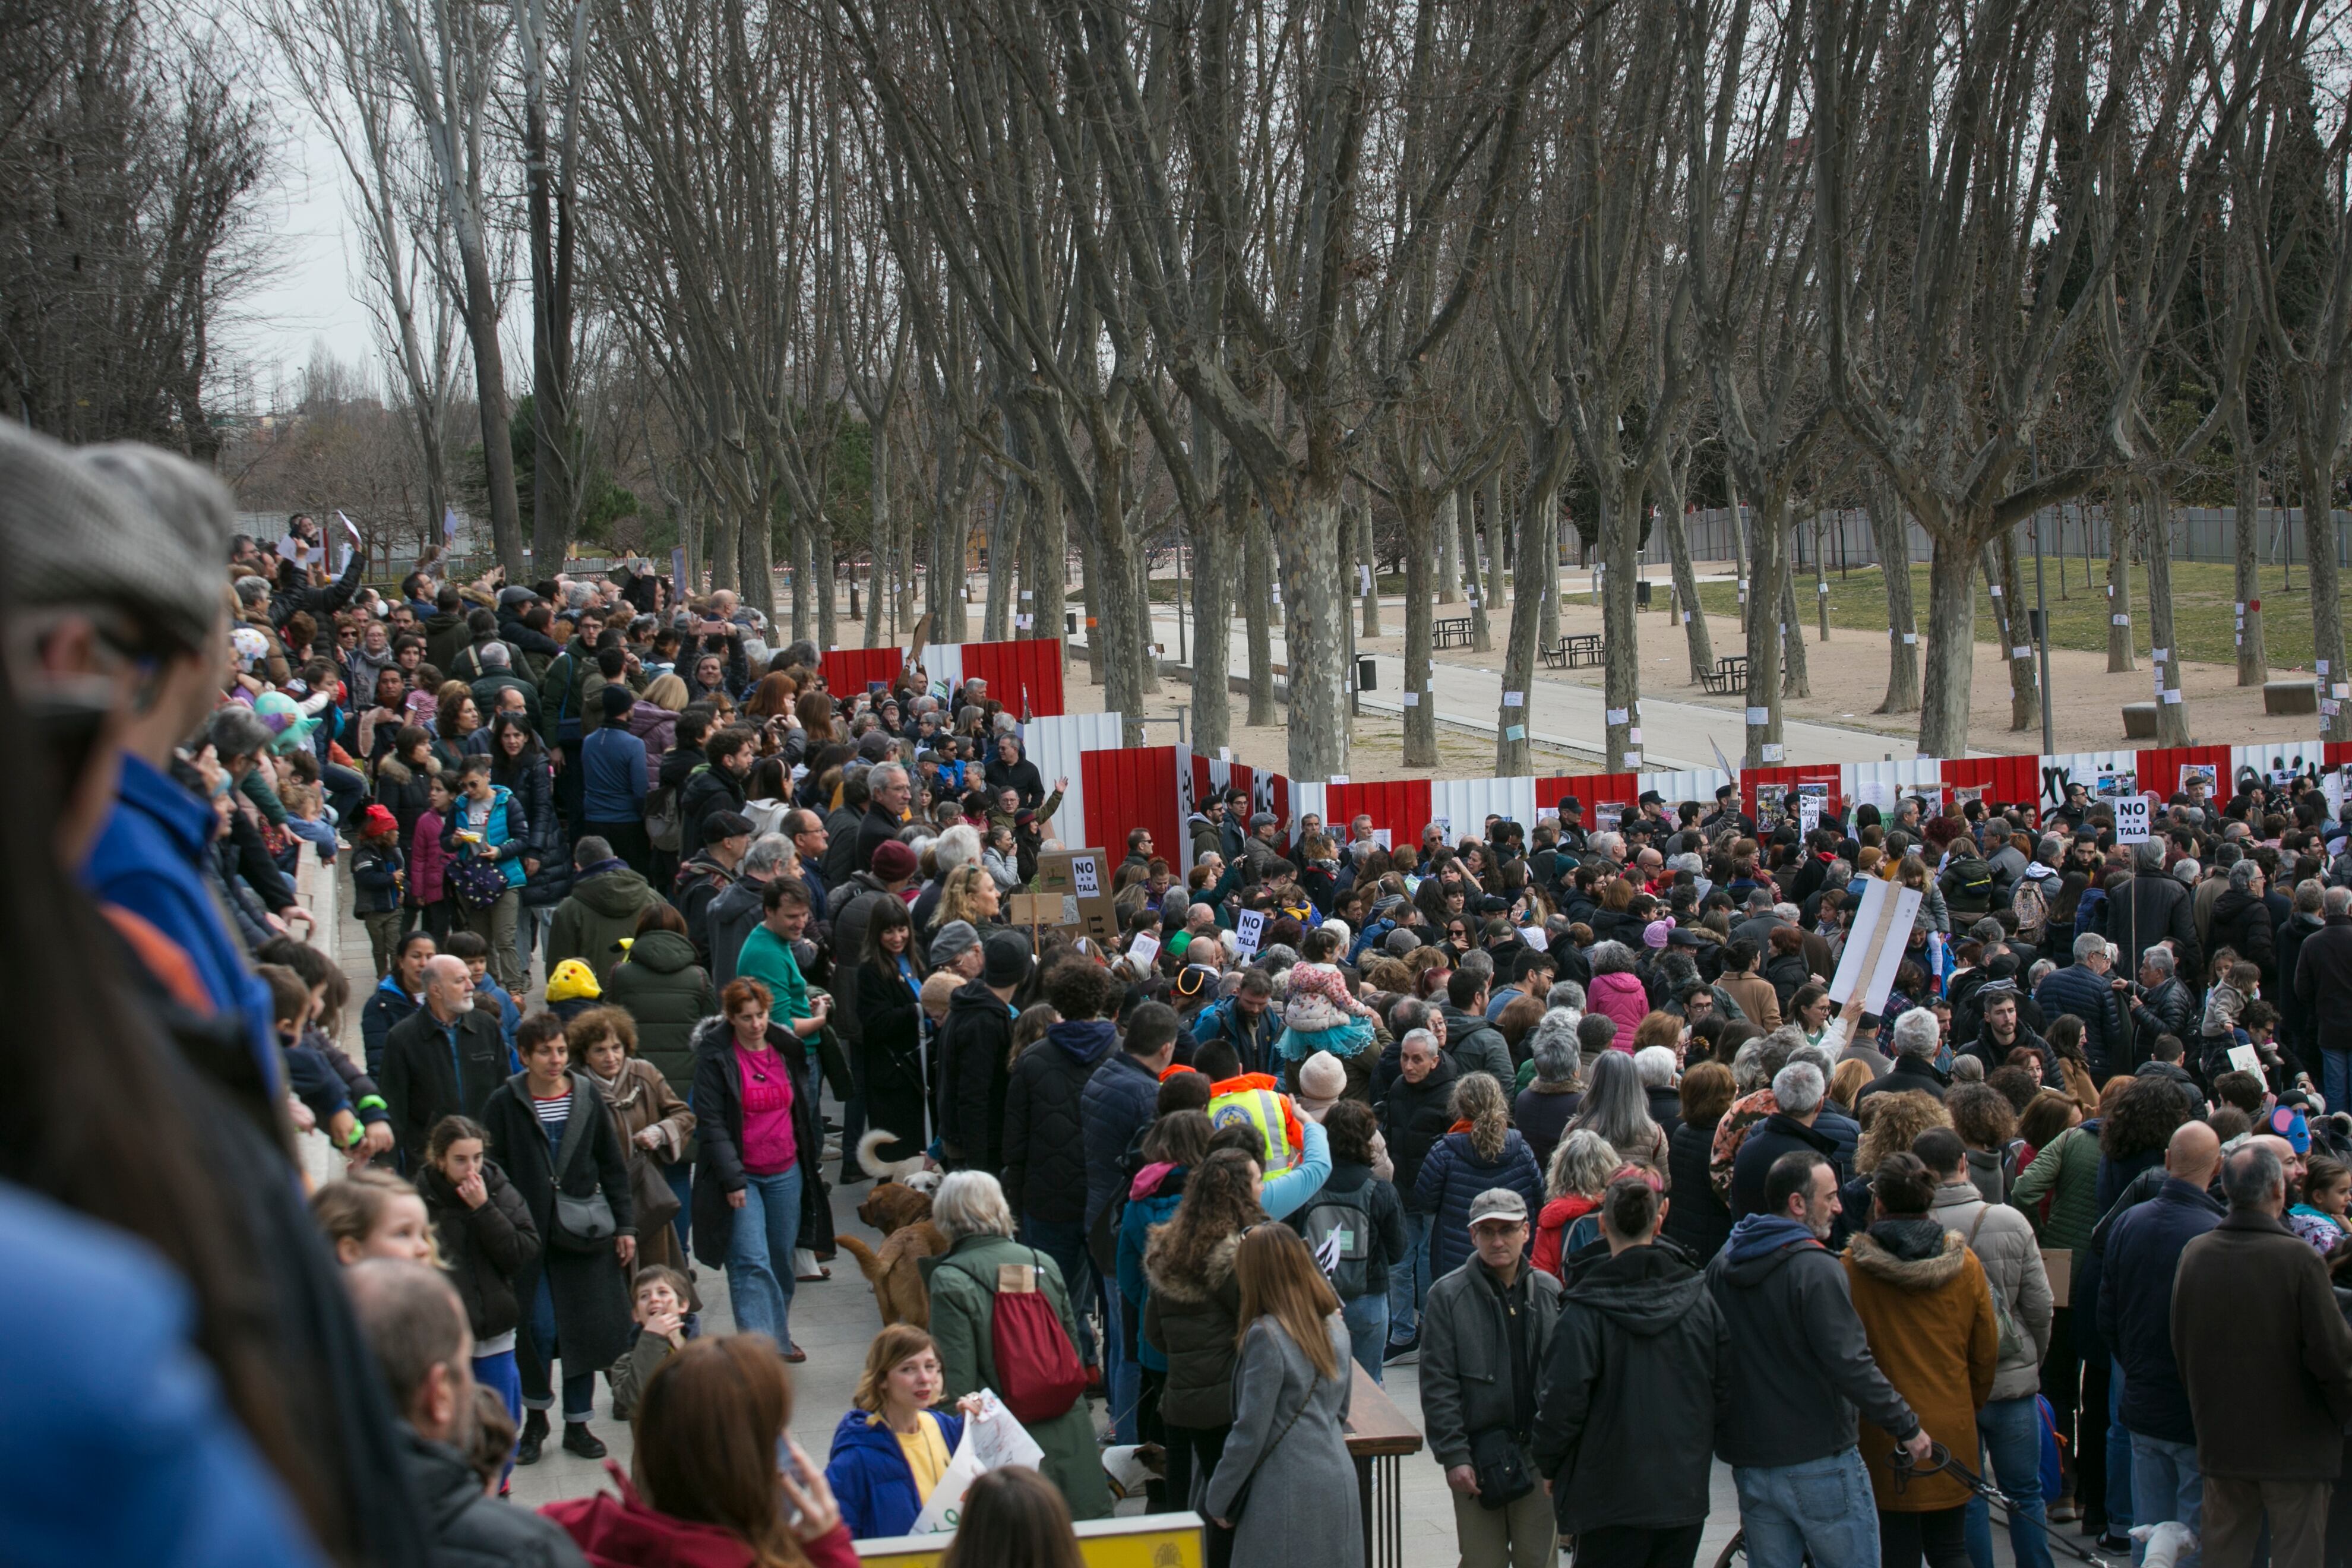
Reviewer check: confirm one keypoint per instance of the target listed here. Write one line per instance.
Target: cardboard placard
(2131, 820)
(1143, 950)
(1249, 929)
(1069, 894)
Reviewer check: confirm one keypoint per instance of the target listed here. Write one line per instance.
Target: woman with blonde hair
(710, 1482)
(890, 1449)
(1286, 1485)
(1845, 1084)
(1582, 1167)
(1482, 1151)
(371, 1212)
(967, 893)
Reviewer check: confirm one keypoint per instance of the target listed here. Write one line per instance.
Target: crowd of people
(1562, 1116)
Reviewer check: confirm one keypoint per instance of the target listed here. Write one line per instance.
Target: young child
(312, 1082)
(428, 872)
(374, 1214)
(306, 817)
(2224, 1005)
(663, 1325)
(378, 874)
(488, 995)
(2320, 1218)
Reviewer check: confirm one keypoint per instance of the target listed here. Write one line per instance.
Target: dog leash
(1941, 1460)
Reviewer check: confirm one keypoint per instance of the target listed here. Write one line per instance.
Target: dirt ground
(1848, 678)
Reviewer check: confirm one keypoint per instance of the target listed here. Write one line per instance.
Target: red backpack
(1037, 1372)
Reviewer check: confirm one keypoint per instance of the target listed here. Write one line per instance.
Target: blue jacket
(1252, 1042)
(148, 859)
(1120, 1099)
(1155, 1207)
(869, 1477)
(506, 833)
(387, 1007)
(373, 889)
(2074, 989)
(612, 775)
(2135, 1304)
(1451, 1177)
(109, 1399)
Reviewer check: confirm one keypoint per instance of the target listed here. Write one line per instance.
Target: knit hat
(1657, 934)
(893, 861)
(1321, 1081)
(617, 699)
(376, 821)
(955, 939)
(1006, 958)
(572, 981)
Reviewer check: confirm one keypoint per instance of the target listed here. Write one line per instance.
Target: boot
(533, 1433)
(578, 1439)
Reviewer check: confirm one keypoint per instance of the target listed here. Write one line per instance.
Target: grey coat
(1302, 1510)
(1466, 1356)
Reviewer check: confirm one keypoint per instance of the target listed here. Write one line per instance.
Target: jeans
(346, 792)
(1409, 1278)
(1821, 1507)
(2335, 1078)
(681, 1178)
(579, 1388)
(1367, 1318)
(2011, 1431)
(2120, 1517)
(1940, 1535)
(497, 1373)
(759, 1254)
(1122, 1374)
(1064, 1241)
(2166, 1485)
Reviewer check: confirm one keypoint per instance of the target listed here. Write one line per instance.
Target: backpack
(1972, 883)
(665, 816)
(1338, 1231)
(1037, 1372)
(2031, 908)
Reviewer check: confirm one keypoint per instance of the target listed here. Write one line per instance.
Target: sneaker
(578, 1439)
(2063, 1512)
(1402, 1352)
(2112, 1543)
(533, 1433)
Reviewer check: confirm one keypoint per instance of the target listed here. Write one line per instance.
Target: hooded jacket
(710, 790)
(1194, 1320)
(606, 899)
(1559, 1230)
(1620, 996)
(868, 1473)
(2006, 1249)
(1639, 1347)
(387, 1007)
(1924, 1304)
(1151, 1199)
(728, 918)
(1045, 1132)
(975, 1044)
(667, 993)
(1477, 1046)
(1805, 1363)
(2242, 922)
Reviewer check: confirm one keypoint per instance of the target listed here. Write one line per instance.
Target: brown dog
(903, 1216)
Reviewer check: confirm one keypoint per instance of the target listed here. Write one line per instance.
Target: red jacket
(1552, 1224)
(623, 1532)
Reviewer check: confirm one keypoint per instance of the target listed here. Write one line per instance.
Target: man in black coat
(1415, 1114)
(2165, 1006)
(1045, 1144)
(716, 787)
(2088, 990)
(1800, 1090)
(444, 1059)
(887, 792)
(416, 1326)
(1008, 768)
(975, 1058)
(1639, 1346)
(2323, 983)
(2147, 907)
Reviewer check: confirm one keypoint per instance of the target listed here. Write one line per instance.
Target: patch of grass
(2203, 609)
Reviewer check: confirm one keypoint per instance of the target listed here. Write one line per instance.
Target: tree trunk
(2120, 627)
(1764, 568)
(1005, 532)
(1308, 548)
(726, 545)
(1511, 750)
(799, 545)
(1548, 569)
(1796, 677)
(1368, 558)
(1046, 563)
(1257, 593)
(2245, 537)
(2024, 682)
(1951, 646)
(1213, 644)
(2171, 703)
(758, 550)
(1091, 574)
(2317, 471)
(877, 535)
(1465, 524)
(1699, 645)
(1419, 699)
(481, 313)
(1449, 565)
(1145, 652)
(1740, 571)
(1893, 539)
(1821, 572)
(1498, 550)
(1621, 634)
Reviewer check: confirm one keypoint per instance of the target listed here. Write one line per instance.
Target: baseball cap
(1499, 1203)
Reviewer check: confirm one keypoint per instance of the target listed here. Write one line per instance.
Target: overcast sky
(312, 298)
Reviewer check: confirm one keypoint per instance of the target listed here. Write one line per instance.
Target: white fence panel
(1053, 744)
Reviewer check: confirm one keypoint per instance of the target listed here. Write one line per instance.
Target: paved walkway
(1565, 713)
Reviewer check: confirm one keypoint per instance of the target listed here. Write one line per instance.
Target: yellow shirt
(925, 1451)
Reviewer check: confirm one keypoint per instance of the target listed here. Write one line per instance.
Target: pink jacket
(1323, 979)
(1622, 997)
(429, 863)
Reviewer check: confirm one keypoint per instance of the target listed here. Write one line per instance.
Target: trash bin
(1641, 595)
(1070, 623)
(1364, 677)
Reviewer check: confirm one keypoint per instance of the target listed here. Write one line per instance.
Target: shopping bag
(992, 1439)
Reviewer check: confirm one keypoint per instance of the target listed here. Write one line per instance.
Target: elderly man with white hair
(1917, 1038)
(445, 1060)
(1799, 1091)
(982, 1262)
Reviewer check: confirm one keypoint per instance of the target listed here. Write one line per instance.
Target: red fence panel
(847, 670)
(1128, 790)
(2160, 769)
(1830, 774)
(2006, 781)
(1023, 675)
(1400, 806)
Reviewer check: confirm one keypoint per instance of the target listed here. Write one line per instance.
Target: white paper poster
(1249, 926)
(2131, 820)
(1875, 945)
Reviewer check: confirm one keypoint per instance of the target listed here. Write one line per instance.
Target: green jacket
(768, 959)
(667, 993)
(2066, 1170)
(962, 1312)
(562, 697)
(604, 908)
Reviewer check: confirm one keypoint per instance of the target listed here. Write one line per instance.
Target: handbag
(1501, 1466)
(477, 882)
(582, 1224)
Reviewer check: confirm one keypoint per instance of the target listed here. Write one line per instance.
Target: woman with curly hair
(1482, 1151)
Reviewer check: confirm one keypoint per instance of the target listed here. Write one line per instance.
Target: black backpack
(1338, 1231)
